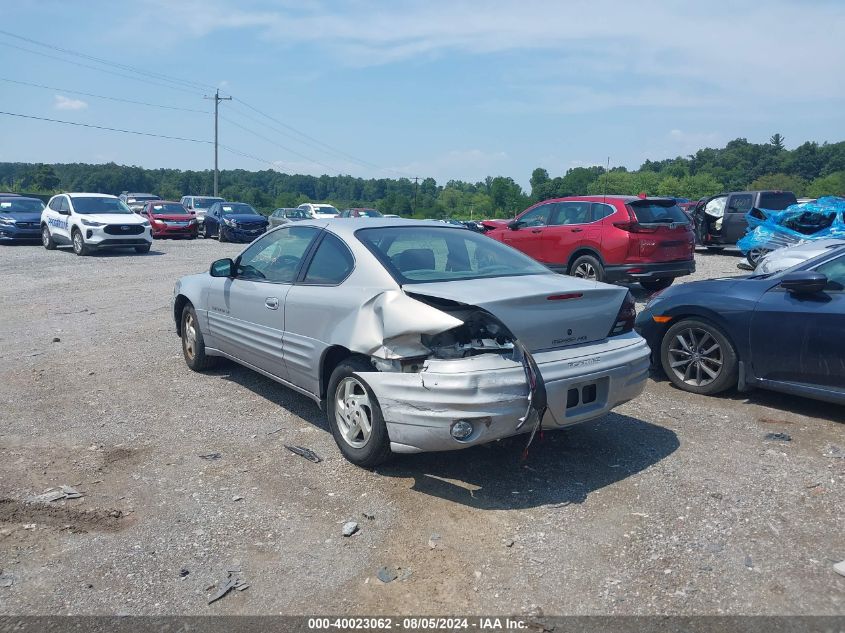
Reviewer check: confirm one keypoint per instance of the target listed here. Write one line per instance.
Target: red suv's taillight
(634, 227)
(625, 319)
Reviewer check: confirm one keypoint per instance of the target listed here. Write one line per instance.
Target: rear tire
(587, 267)
(193, 344)
(704, 359)
(79, 243)
(655, 285)
(351, 407)
(47, 239)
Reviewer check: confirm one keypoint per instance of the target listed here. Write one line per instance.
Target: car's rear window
(776, 200)
(658, 212)
(422, 254)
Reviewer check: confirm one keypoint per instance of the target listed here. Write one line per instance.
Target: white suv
(89, 221)
(319, 211)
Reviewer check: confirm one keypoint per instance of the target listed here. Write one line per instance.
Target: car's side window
(276, 256)
(571, 213)
(740, 204)
(331, 264)
(835, 271)
(536, 217)
(601, 211)
(55, 203)
(63, 205)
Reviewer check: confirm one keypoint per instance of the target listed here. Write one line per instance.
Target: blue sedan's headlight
(231, 223)
(8, 221)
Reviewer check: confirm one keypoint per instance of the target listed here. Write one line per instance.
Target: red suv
(606, 238)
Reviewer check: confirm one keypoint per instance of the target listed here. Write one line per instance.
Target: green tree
(831, 185)
(776, 141)
(781, 181)
(539, 178)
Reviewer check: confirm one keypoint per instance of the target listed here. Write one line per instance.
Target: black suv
(720, 220)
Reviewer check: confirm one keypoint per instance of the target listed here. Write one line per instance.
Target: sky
(450, 89)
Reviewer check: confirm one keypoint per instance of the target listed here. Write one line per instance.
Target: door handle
(577, 230)
(536, 231)
(271, 303)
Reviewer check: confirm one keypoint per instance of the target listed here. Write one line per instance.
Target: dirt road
(673, 504)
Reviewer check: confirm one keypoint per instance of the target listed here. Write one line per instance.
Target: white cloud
(66, 103)
(691, 141)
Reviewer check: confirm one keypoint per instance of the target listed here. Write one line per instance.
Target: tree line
(811, 169)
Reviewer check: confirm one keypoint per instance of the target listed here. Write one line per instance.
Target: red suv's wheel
(587, 267)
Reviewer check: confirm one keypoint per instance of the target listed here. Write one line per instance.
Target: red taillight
(625, 319)
(571, 295)
(634, 227)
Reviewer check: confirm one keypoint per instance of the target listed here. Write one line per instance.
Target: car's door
(246, 315)
(212, 219)
(799, 338)
(315, 307)
(568, 225)
(529, 232)
(735, 223)
(59, 219)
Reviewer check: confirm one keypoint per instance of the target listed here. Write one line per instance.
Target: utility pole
(416, 181)
(217, 99)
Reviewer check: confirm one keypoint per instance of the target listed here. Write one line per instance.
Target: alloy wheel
(189, 336)
(45, 236)
(77, 242)
(695, 357)
(353, 412)
(585, 270)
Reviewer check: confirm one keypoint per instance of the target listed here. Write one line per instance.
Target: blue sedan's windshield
(21, 205)
(239, 208)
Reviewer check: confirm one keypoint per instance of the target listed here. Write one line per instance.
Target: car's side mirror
(804, 282)
(515, 225)
(64, 211)
(222, 268)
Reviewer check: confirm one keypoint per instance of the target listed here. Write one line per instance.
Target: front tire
(656, 285)
(698, 357)
(221, 235)
(587, 267)
(193, 344)
(354, 415)
(47, 239)
(142, 249)
(79, 246)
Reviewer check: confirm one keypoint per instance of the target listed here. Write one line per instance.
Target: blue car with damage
(20, 219)
(781, 331)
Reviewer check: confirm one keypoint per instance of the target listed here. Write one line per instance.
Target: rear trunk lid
(660, 231)
(542, 311)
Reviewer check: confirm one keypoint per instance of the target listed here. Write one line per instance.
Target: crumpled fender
(389, 326)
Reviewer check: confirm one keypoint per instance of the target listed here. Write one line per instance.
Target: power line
(287, 149)
(90, 94)
(314, 140)
(106, 62)
(102, 70)
(103, 127)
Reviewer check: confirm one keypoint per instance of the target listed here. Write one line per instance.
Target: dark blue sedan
(233, 222)
(784, 331)
(20, 219)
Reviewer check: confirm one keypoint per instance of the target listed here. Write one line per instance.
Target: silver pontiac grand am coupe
(415, 336)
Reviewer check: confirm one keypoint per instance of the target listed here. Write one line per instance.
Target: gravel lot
(673, 504)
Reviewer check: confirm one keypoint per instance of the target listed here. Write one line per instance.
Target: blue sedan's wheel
(698, 357)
